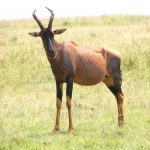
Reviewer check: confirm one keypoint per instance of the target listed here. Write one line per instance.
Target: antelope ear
(59, 31)
(34, 34)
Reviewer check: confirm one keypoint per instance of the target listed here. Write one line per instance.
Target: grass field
(27, 88)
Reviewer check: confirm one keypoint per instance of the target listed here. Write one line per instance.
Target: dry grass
(27, 89)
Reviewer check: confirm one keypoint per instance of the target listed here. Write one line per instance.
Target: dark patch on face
(47, 37)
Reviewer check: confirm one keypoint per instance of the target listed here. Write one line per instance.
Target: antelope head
(47, 34)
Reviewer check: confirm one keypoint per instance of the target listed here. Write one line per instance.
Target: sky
(20, 9)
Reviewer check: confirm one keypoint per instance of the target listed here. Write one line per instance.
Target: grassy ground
(27, 89)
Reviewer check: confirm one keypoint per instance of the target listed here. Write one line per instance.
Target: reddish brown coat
(82, 65)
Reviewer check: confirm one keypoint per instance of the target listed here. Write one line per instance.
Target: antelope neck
(57, 47)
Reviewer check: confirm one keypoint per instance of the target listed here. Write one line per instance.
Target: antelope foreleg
(68, 101)
(59, 87)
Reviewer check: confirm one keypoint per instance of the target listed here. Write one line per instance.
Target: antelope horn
(37, 20)
(51, 18)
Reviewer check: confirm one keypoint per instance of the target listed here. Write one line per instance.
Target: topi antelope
(83, 65)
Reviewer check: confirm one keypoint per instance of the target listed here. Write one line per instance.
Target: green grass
(27, 87)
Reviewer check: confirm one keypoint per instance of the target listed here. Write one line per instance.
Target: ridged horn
(37, 20)
(51, 18)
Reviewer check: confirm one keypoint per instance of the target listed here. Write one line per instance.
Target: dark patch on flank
(68, 64)
(114, 64)
(115, 90)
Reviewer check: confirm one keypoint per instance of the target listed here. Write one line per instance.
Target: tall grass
(27, 88)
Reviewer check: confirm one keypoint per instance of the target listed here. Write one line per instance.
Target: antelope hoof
(121, 122)
(55, 130)
(70, 130)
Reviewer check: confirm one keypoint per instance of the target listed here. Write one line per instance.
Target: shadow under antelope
(83, 65)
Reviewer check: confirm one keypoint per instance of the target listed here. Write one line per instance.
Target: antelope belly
(90, 71)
